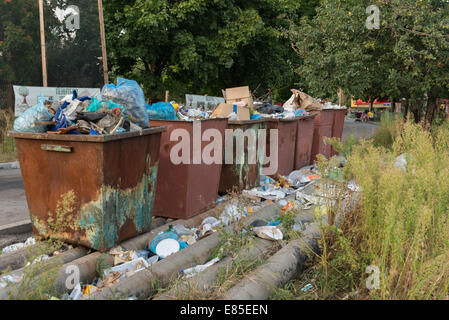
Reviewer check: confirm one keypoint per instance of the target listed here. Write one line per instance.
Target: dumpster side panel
(204, 179)
(286, 145)
(129, 188)
(242, 176)
(184, 190)
(338, 126)
(304, 142)
(322, 128)
(171, 191)
(50, 177)
(96, 194)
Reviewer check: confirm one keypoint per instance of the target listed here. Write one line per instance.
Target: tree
(405, 58)
(201, 46)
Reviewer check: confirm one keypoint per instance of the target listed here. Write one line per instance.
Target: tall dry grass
(401, 225)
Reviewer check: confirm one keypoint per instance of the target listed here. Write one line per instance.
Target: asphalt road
(13, 205)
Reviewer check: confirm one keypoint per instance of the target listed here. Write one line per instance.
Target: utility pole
(43, 49)
(103, 43)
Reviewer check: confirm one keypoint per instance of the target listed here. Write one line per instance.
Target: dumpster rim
(85, 138)
(243, 122)
(188, 121)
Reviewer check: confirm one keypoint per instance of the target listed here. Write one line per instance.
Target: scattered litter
(14, 247)
(121, 256)
(6, 280)
(308, 287)
(199, 268)
(307, 201)
(401, 162)
(125, 270)
(167, 247)
(273, 195)
(39, 259)
(353, 186)
(76, 293)
(269, 233)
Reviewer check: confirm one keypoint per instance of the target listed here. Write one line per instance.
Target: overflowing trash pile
(121, 108)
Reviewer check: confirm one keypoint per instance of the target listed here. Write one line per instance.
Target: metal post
(43, 49)
(103, 43)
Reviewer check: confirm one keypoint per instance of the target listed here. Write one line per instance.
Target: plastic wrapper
(25, 122)
(161, 111)
(128, 94)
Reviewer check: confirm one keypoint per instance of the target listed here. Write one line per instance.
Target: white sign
(26, 97)
(206, 102)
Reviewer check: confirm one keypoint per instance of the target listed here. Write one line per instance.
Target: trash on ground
(8, 279)
(14, 247)
(167, 247)
(126, 269)
(77, 293)
(307, 288)
(401, 162)
(269, 233)
(121, 256)
(199, 268)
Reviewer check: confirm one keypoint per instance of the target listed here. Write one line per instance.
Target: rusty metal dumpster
(94, 191)
(322, 128)
(240, 173)
(187, 188)
(287, 129)
(304, 141)
(338, 126)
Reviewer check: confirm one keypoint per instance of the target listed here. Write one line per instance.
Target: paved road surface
(359, 129)
(13, 206)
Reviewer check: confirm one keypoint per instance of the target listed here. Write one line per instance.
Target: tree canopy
(201, 46)
(405, 58)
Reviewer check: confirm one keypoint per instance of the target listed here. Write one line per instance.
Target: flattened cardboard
(238, 94)
(224, 110)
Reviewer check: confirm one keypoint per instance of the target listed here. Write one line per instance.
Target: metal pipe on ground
(145, 283)
(83, 269)
(17, 259)
(206, 279)
(279, 269)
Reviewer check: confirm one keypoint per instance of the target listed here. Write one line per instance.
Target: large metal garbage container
(287, 129)
(338, 126)
(187, 189)
(304, 141)
(322, 128)
(94, 191)
(241, 174)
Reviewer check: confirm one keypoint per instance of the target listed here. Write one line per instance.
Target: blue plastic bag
(128, 94)
(161, 111)
(25, 122)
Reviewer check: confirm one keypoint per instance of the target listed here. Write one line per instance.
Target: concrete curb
(20, 227)
(9, 165)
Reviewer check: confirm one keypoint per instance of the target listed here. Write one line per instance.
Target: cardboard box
(239, 94)
(224, 110)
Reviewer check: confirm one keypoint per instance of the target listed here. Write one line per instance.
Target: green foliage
(389, 130)
(201, 46)
(406, 58)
